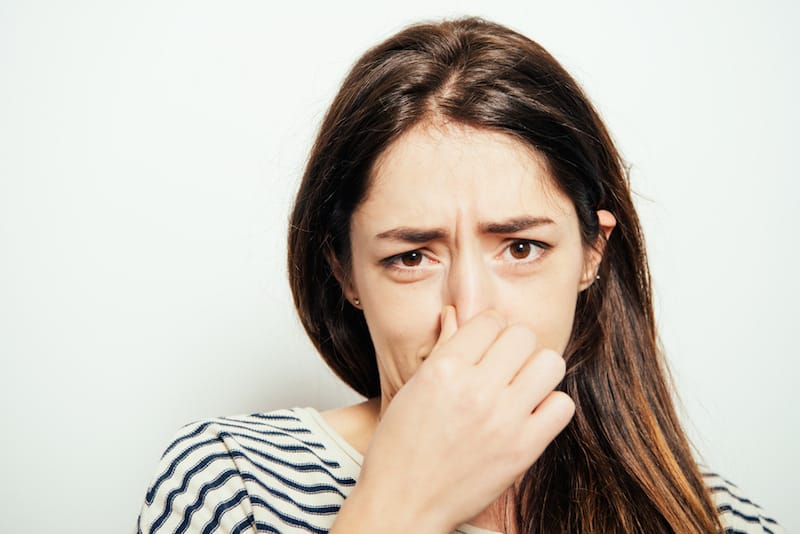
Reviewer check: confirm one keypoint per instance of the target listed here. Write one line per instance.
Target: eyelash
(540, 247)
(392, 261)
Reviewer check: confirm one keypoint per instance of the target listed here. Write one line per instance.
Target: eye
(411, 259)
(522, 250)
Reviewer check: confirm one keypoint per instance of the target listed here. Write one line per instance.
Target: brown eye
(520, 249)
(411, 259)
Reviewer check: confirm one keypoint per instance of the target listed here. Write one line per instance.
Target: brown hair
(623, 464)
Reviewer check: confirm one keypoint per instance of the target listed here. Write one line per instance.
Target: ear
(344, 279)
(594, 255)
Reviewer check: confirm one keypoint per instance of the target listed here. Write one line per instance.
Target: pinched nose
(469, 287)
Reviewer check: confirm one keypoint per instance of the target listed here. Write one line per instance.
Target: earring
(356, 301)
(597, 277)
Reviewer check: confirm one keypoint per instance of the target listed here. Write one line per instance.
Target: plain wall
(149, 152)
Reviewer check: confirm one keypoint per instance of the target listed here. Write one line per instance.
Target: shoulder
(738, 514)
(242, 472)
(239, 433)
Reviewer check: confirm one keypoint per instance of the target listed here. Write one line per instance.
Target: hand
(476, 414)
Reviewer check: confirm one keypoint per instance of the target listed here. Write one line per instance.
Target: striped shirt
(288, 471)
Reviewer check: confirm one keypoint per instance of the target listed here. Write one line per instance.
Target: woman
(463, 252)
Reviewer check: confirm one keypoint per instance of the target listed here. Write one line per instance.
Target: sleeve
(197, 487)
(738, 514)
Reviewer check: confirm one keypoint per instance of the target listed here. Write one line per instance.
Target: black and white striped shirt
(288, 471)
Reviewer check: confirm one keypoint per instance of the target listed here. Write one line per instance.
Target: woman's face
(469, 218)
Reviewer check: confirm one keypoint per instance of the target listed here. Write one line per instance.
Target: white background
(148, 155)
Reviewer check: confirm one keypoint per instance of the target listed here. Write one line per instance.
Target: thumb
(448, 326)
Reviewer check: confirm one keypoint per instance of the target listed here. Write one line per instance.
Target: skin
(467, 263)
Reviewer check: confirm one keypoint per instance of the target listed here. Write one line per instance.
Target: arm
(197, 487)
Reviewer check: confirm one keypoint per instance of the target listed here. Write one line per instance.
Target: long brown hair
(623, 464)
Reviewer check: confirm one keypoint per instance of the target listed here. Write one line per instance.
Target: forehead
(437, 171)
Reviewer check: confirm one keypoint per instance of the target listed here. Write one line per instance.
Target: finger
(509, 353)
(473, 339)
(537, 378)
(448, 325)
(546, 422)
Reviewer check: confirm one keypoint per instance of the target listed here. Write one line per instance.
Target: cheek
(547, 305)
(550, 316)
(556, 327)
(403, 322)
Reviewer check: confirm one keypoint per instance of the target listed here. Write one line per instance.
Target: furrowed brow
(413, 235)
(516, 224)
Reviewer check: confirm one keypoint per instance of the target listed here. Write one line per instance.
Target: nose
(469, 286)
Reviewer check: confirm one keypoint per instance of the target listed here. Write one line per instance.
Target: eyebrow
(513, 225)
(424, 235)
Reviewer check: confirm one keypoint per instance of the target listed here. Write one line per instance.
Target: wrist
(366, 512)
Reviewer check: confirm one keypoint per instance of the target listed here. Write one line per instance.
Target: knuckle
(553, 363)
(475, 402)
(439, 372)
(492, 320)
(520, 452)
(523, 336)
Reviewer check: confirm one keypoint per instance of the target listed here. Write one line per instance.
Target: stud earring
(356, 301)
(597, 277)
